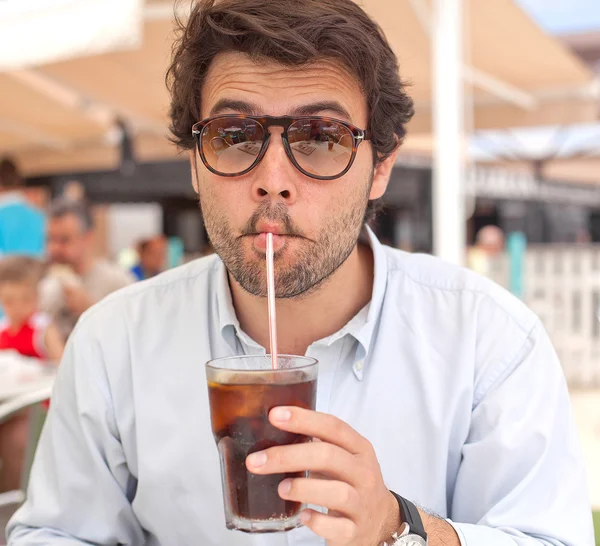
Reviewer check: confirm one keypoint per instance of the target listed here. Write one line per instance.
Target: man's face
(318, 221)
(67, 240)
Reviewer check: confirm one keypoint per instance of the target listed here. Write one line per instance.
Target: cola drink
(240, 402)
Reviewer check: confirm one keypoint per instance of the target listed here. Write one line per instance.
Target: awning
(580, 170)
(59, 117)
(37, 32)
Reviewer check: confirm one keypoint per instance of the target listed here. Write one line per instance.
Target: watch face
(410, 540)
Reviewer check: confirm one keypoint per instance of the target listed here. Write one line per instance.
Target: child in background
(25, 330)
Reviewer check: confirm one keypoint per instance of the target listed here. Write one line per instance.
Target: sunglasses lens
(321, 147)
(231, 145)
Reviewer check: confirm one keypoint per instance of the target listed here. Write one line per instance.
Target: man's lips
(280, 237)
(260, 241)
(270, 227)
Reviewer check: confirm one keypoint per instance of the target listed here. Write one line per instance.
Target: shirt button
(359, 365)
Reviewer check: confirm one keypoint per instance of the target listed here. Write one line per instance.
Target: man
(433, 383)
(77, 278)
(22, 226)
(152, 258)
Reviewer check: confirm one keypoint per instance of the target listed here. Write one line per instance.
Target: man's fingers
(323, 426)
(332, 494)
(319, 457)
(335, 530)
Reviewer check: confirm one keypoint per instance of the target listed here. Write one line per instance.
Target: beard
(308, 265)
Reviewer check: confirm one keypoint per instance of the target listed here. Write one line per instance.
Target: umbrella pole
(449, 220)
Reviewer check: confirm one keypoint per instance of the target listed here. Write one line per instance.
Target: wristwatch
(412, 532)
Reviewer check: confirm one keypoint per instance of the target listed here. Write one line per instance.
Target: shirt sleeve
(119, 278)
(80, 489)
(521, 481)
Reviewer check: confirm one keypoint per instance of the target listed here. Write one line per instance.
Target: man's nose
(275, 176)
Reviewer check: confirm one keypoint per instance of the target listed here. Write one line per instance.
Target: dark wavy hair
(293, 33)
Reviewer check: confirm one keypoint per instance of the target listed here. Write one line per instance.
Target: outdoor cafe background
(506, 131)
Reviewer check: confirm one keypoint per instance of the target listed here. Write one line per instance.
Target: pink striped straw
(271, 301)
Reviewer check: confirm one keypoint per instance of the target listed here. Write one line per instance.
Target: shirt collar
(359, 328)
(229, 324)
(365, 333)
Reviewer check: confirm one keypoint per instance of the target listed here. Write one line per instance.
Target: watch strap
(410, 515)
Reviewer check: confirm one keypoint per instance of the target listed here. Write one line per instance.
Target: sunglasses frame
(278, 121)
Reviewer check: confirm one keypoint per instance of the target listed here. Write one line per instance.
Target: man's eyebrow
(251, 109)
(239, 106)
(320, 107)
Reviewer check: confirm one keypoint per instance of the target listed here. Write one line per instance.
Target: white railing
(562, 286)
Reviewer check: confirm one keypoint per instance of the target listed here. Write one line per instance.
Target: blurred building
(546, 211)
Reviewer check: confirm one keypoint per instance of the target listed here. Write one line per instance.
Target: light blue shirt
(453, 381)
(22, 227)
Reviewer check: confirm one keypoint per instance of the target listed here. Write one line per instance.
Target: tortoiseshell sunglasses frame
(279, 121)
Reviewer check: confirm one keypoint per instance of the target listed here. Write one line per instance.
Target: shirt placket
(329, 361)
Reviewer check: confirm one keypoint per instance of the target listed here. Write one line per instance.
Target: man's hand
(77, 299)
(362, 512)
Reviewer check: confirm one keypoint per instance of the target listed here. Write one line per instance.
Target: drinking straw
(271, 301)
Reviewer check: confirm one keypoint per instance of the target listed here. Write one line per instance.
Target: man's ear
(382, 174)
(194, 170)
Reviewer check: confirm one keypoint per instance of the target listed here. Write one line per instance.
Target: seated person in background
(152, 258)
(77, 278)
(489, 244)
(25, 330)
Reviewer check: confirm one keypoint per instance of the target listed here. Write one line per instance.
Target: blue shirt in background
(138, 272)
(22, 227)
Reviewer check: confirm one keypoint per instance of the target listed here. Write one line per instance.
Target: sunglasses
(319, 147)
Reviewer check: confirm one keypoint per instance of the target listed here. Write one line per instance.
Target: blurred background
(500, 170)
